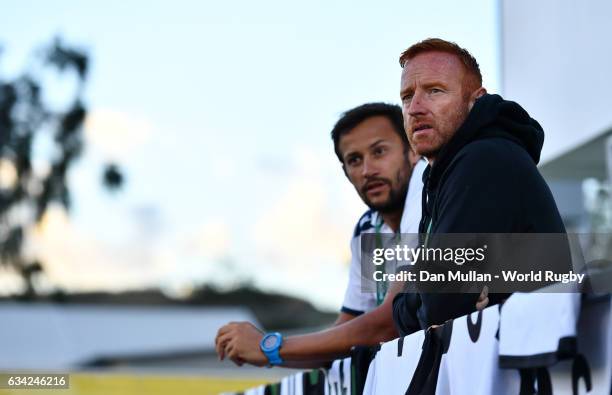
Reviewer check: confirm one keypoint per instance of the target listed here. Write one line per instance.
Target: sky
(219, 114)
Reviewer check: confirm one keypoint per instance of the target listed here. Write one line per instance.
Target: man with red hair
(482, 175)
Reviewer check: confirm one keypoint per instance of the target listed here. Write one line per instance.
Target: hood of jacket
(491, 116)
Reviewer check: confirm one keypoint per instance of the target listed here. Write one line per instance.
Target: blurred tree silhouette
(26, 191)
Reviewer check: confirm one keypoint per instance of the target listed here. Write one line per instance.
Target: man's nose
(416, 106)
(369, 168)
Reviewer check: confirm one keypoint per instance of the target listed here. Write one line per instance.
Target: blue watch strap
(272, 352)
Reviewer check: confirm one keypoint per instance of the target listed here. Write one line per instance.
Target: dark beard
(397, 196)
(395, 202)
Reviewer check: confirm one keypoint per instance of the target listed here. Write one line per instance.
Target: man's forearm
(336, 342)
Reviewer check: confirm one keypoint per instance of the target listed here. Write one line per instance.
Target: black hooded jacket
(484, 180)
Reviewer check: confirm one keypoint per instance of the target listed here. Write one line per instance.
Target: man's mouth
(374, 186)
(421, 128)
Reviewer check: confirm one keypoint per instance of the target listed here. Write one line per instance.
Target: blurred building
(69, 337)
(555, 61)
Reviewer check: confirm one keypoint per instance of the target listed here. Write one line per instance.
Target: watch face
(270, 342)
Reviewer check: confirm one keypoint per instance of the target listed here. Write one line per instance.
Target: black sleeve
(405, 308)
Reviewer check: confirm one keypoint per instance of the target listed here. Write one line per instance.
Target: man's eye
(352, 161)
(379, 151)
(435, 90)
(407, 98)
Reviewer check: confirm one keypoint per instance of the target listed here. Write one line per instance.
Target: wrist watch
(270, 345)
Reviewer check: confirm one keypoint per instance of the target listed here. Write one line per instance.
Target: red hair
(439, 45)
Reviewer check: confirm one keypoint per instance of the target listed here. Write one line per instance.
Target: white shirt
(392, 369)
(533, 326)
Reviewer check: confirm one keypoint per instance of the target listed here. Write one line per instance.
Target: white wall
(556, 60)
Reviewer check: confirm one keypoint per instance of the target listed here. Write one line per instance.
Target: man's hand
(483, 299)
(239, 341)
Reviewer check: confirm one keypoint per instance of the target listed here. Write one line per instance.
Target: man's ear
(475, 95)
(345, 173)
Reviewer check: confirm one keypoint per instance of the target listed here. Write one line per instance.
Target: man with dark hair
(365, 125)
(372, 146)
(482, 175)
